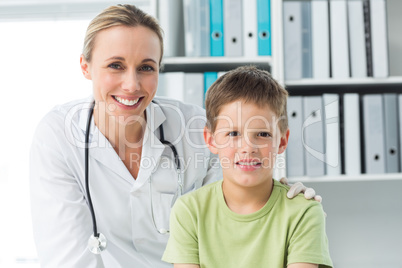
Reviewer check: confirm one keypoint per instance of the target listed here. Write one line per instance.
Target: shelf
(343, 82)
(212, 64)
(348, 178)
(352, 85)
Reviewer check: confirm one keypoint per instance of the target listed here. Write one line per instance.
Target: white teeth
(248, 163)
(126, 102)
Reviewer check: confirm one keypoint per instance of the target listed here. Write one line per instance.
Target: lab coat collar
(152, 149)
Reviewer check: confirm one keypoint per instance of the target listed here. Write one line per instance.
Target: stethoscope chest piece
(97, 244)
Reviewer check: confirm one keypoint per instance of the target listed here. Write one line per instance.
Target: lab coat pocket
(160, 208)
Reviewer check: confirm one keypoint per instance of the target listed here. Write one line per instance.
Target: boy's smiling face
(247, 139)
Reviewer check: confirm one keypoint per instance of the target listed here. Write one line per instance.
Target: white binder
(373, 116)
(358, 61)
(174, 85)
(250, 45)
(232, 24)
(391, 122)
(196, 28)
(194, 88)
(313, 135)
(339, 39)
(292, 36)
(320, 39)
(332, 134)
(352, 137)
(379, 38)
(295, 151)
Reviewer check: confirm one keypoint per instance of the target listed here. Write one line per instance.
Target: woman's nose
(131, 82)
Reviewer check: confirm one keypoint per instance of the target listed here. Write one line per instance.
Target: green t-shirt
(203, 230)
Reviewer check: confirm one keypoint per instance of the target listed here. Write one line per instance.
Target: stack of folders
(348, 134)
(335, 39)
(186, 87)
(232, 28)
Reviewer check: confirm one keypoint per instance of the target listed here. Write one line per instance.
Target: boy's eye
(116, 66)
(264, 134)
(147, 68)
(233, 133)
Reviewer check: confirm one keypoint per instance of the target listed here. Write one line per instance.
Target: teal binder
(264, 27)
(216, 30)
(209, 79)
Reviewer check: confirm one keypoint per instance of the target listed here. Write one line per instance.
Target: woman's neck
(119, 133)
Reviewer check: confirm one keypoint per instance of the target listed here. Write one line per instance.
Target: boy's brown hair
(251, 85)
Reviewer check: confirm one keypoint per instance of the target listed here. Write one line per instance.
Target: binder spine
(367, 34)
(216, 22)
(264, 27)
(307, 69)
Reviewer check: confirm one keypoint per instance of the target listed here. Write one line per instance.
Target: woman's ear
(209, 140)
(284, 142)
(85, 67)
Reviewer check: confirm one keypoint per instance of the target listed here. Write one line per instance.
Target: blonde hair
(119, 15)
(251, 85)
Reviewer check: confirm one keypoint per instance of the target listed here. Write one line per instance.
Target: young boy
(246, 220)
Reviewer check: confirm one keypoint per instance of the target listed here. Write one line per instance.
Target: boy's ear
(209, 140)
(284, 142)
(85, 67)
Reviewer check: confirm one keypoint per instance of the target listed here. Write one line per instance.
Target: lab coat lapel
(152, 148)
(100, 148)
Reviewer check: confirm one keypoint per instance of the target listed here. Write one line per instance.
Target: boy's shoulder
(298, 203)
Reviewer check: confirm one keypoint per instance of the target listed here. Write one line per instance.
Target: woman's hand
(299, 187)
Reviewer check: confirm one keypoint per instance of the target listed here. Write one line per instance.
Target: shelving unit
(364, 218)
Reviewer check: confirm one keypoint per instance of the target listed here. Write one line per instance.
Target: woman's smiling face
(124, 69)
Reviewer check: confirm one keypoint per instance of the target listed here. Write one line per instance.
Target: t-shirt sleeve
(182, 246)
(309, 243)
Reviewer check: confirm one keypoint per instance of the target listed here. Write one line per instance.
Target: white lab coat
(61, 219)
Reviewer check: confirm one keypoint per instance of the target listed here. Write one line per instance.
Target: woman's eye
(147, 68)
(264, 134)
(233, 133)
(115, 66)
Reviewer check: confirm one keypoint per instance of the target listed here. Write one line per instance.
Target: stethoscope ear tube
(97, 242)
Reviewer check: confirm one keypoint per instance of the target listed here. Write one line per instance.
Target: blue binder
(216, 24)
(264, 27)
(209, 79)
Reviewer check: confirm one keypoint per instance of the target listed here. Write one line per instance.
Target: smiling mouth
(249, 163)
(126, 101)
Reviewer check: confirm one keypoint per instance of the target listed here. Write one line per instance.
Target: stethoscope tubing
(97, 241)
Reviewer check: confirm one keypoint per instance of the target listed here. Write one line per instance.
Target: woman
(133, 176)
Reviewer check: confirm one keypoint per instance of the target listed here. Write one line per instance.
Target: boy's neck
(246, 200)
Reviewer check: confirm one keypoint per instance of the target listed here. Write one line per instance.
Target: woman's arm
(61, 219)
(302, 265)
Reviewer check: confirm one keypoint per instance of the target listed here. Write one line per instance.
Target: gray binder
(307, 55)
(294, 151)
(292, 36)
(391, 121)
(373, 115)
(232, 23)
(313, 135)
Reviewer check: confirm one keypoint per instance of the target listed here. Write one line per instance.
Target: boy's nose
(248, 146)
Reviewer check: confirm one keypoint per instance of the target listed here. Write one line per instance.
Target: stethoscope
(97, 242)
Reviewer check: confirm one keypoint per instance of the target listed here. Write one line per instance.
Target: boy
(246, 220)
